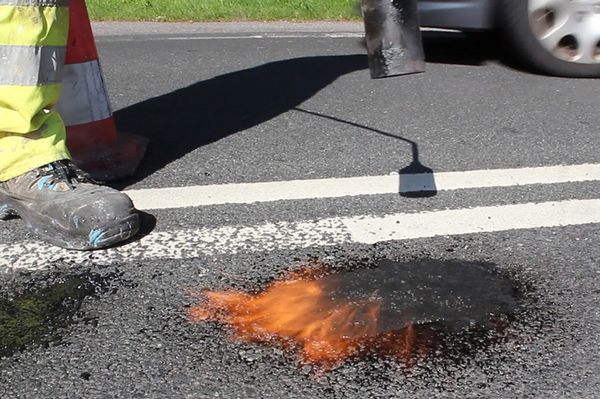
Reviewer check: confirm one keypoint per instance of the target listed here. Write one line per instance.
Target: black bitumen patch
(405, 311)
(41, 313)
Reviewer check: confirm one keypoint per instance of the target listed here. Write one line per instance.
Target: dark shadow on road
(179, 122)
(474, 48)
(416, 179)
(462, 48)
(471, 48)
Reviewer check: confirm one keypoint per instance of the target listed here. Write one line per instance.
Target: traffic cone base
(92, 136)
(118, 161)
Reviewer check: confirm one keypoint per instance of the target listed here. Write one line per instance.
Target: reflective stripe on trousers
(33, 38)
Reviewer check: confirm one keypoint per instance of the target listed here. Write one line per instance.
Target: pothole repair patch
(405, 311)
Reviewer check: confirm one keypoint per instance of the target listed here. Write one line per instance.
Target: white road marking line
(247, 193)
(293, 31)
(336, 35)
(370, 230)
(191, 243)
(186, 243)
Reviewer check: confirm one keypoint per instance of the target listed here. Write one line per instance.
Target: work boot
(61, 204)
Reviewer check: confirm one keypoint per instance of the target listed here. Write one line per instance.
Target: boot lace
(64, 171)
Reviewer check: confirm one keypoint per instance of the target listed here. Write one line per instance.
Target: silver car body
(457, 14)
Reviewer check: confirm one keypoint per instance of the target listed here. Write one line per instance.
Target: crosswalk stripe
(362, 229)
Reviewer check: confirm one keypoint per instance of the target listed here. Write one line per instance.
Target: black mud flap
(393, 37)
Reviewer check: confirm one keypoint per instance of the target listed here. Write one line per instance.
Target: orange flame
(299, 312)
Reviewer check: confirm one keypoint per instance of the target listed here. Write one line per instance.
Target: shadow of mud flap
(417, 180)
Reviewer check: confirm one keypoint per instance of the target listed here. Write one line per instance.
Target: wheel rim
(568, 29)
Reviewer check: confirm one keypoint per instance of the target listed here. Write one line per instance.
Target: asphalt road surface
(272, 148)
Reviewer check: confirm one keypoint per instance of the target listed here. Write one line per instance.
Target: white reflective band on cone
(84, 98)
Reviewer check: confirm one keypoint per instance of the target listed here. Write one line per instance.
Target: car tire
(520, 24)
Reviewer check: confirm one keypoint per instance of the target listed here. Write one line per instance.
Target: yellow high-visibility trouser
(33, 38)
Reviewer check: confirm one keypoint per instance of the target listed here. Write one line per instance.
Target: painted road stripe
(246, 193)
(261, 36)
(128, 35)
(188, 243)
(370, 230)
(192, 243)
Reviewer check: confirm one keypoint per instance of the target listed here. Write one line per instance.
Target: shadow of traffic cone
(92, 136)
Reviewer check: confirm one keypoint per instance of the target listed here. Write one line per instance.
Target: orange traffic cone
(92, 136)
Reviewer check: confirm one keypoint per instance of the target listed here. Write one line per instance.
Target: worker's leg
(55, 199)
(33, 36)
